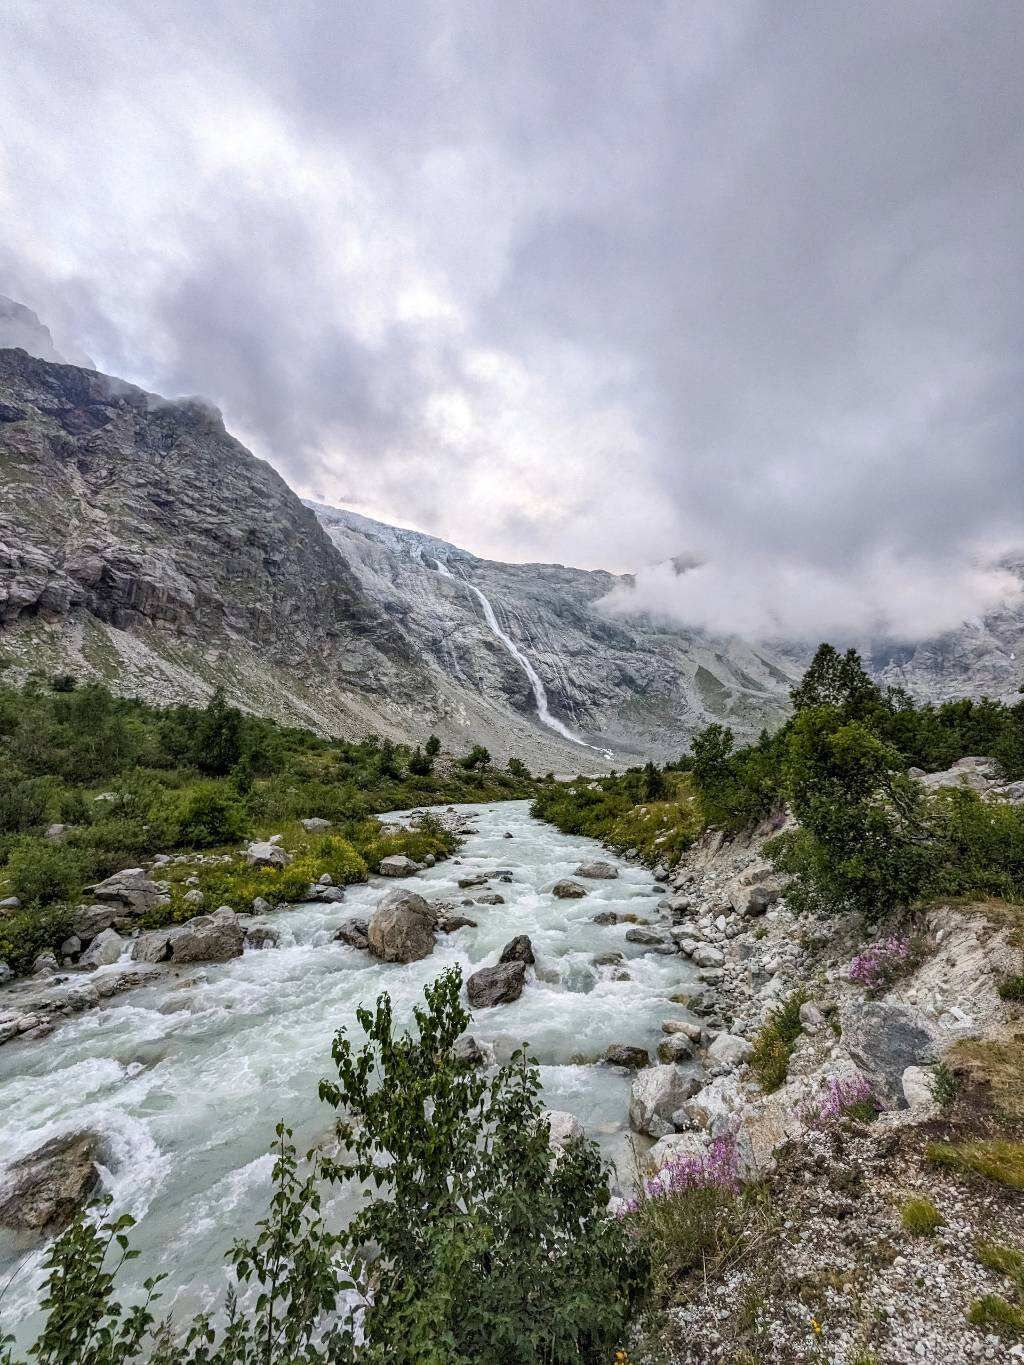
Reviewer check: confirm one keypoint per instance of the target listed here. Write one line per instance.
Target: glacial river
(186, 1079)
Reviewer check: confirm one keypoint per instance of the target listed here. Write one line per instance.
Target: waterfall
(540, 695)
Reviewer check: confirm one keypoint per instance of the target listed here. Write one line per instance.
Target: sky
(732, 284)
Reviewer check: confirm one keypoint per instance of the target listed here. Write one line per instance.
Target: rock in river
(498, 985)
(656, 1094)
(398, 865)
(627, 1054)
(44, 1190)
(401, 928)
(598, 870)
(519, 949)
(568, 890)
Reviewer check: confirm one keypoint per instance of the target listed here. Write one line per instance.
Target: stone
(918, 1086)
(605, 917)
(10, 903)
(714, 1106)
(448, 924)
(568, 890)
(131, 889)
(518, 949)
(194, 897)
(674, 1147)
(612, 959)
(264, 853)
(655, 1095)
(598, 871)
(56, 832)
(71, 947)
(44, 965)
(209, 938)
(5, 973)
(729, 1050)
(689, 1028)
(563, 1127)
(628, 1055)
(811, 1018)
(105, 949)
(676, 1048)
(884, 1039)
(43, 1191)
(354, 932)
(261, 906)
(261, 936)
(477, 879)
(706, 955)
(498, 985)
(401, 928)
(469, 1051)
(490, 898)
(313, 824)
(325, 879)
(398, 865)
(331, 895)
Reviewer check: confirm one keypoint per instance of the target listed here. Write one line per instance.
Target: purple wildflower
(717, 1170)
(875, 964)
(844, 1095)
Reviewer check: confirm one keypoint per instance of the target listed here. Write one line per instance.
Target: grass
(1012, 988)
(1000, 1160)
(1003, 1260)
(774, 1045)
(997, 1068)
(617, 811)
(992, 1313)
(920, 1217)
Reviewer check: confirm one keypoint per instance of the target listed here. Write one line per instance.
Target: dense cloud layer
(593, 282)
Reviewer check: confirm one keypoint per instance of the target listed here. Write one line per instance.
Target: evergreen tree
(217, 745)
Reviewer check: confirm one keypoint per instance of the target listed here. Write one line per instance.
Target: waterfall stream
(540, 695)
(184, 1080)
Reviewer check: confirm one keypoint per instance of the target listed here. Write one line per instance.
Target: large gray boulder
(398, 865)
(44, 1190)
(132, 890)
(563, 1127)
(628, 1055)
(518, 949)
(105, 949)
(729, 1049)
(599, 871)
(884, 1039)
(401, 928)
(313, 824)
(568, 890)
(354, 932)
(263, 853)
(207, 938)
(657, 1092)
(498, 985)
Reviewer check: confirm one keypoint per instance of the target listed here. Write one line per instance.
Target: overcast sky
(601, 283)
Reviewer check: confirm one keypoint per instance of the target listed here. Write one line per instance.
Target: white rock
(729, 1050)
(563, 1127)
(105, 949)
(917, 1083)
(656, 1093)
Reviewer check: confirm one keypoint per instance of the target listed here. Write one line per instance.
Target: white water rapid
(539, 691)
(184, 1080)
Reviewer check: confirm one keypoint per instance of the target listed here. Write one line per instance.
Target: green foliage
(944, 1086)
(992, 1313)
(518, 768)
(999, 1160)
(63, 682)
(490, 1248)
(207, 815)
(218, 737)
(774, 1044)
(1003, 1260)
(26, 934)
(613, 810)
(920, 1217)
(1012, 988)
(42, 872)
(735, 788)
(432, 747)
(420, 764)
(478, 757)
(26, 804)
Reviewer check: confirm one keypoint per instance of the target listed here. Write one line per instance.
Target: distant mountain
(142, 544)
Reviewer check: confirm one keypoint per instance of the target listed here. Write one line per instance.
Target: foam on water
(186, 1079)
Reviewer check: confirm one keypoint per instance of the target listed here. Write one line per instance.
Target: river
(186, 1079)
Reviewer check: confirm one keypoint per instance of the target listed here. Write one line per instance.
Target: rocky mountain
(142, 544)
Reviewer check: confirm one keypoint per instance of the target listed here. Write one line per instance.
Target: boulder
(650, 937)
(714, 1106)
(563, 1127)
(674, 1147)
(5, 973)
(568, 890)
(264, 853)
(10, 905)
(918, 1086)
(728, 1049)
(194, 897)
(598, 871)
(689, 1028)
(354, 932)
(884, 1039)
(130, 889)
(314, 825)
(705, 955)
(477, 879)
(260, 936)
(44, 965)
(105, 949)
(43, 1191)
(207, 938)
(261, 906)
(469, 1051)
(676, 1048)
(627, 1054)
(518, 949)
(398, 865)
(656, 1093)
(612, 959)
(401, 928)
(490, 898)
(811, 1018)
(605, 917)
(498, 985)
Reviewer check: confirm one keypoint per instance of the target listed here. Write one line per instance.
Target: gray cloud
(588, 282)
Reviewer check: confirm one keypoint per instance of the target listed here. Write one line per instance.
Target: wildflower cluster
(847, 1098)
(880, 964)
(717, 1169)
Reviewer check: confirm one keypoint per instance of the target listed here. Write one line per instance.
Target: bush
(209, 814)
(477, 758)
(773, 1046)
(23, 936)
(492, 1249)
(217, 743)
(432, 747)
(25, 804)
(420, 764)
(992, 1313)
(42, 872)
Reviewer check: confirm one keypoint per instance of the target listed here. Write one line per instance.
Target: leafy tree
(653, 783)
(420, 764)
(43, 872)
(210, 814)
(432, 747)
(837, 680)
(518, 768)
(63, 682)
(217, 743)
(387, 760)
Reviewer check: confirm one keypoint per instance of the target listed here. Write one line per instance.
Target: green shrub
(992, 1313)
(1003, 1260)
(42, 872)
(26, 804)
(23, 936)
(944, 1086)
(478, 757)
(920, 1217)
(209, 814)
(774, 1044)
(1012, 988)
(492, 1249)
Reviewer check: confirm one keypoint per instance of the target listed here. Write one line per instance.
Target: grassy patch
(657, 816)
(1000, 1160)
(1003, 1260)
(992, 1313)
(774, 1045)
(996, 1068)
(1012, 988)
(920, 1217)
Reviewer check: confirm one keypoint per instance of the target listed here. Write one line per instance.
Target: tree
(477, 758)
(420, 764)
(836, 680)
(654, 783)
(518, 769)
(432, 747)
(217, 745)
